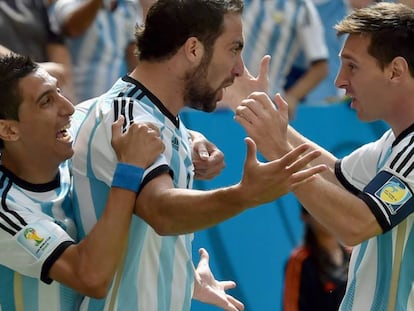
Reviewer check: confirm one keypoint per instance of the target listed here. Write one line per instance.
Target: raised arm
(80, 17)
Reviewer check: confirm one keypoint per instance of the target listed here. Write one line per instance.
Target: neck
(163, 81)
(31, 171)
(400, 114)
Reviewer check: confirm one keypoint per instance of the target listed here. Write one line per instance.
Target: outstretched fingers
(300, 153)
(306, 175)
(234, 304)
(297, 163)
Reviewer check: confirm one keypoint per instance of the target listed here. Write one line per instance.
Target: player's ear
(9, 130)
(398, 68)
(194, 50)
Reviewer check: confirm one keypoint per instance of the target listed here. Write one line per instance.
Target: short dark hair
(390, 27)
(13, 67)
(169, 23)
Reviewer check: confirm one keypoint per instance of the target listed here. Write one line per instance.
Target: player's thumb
(203, 152)
(251, 151)
(281, 104)
(204, 256)
(117, 127)
(264, 67)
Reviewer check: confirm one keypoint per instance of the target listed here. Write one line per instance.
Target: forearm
(109, 236)
(179, 211)
(295, 139)
(344, 214)
(81, 19)
(90, 266)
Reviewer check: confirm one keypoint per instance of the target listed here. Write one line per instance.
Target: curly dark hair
(169, 23)
(13, 67)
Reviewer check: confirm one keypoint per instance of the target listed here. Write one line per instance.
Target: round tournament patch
(394, 193)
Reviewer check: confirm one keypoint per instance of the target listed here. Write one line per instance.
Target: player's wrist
(127, 176)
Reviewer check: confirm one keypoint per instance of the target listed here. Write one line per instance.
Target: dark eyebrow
(347, 57)
(51, 88)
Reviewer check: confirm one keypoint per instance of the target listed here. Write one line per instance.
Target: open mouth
(63, 135)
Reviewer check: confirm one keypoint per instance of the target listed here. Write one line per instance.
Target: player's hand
(140, 145)
(208, 160)
(245, 85)
(208, 290)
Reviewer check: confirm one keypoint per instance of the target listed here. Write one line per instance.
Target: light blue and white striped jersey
(330, 12)
(282, 29)
(36, 226)
(98, 55)
(158, 271)
(381, 174)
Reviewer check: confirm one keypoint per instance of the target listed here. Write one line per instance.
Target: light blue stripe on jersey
(98, 55)
(6, 288)
(190, 271)
(139, 229)
(384, 271)
(32, 289)
(165, 279)
(99, 191)
(350, 292)
(251, 39)
(270, 29)
(406, 278)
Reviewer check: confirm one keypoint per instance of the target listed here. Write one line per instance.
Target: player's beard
(197, 93)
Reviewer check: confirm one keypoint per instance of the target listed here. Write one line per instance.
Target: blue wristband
(127, 176)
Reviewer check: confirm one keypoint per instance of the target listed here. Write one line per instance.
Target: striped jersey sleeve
(383, 172)
(36, 227)
(27, 232)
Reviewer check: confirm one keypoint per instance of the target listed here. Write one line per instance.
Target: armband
(127, 176)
